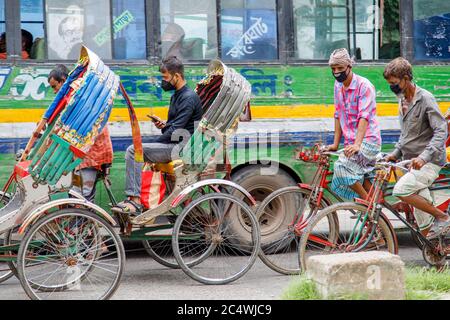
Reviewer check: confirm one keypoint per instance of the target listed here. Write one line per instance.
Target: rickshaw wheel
(71, 254)
(207, 235)
(5, 239)
(162, 252)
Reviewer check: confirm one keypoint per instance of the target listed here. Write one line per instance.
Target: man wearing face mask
(422, 140)
(355, 119)
(185, 109)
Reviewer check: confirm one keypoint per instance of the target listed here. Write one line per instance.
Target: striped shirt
(100, 153)
(355, 103)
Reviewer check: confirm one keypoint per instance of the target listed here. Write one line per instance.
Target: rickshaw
(62, 246)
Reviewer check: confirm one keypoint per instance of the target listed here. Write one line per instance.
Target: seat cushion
(168, 167)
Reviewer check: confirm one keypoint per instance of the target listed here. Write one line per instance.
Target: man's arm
(439, 126)
(337, 135)
(367, 105)
(183, 116)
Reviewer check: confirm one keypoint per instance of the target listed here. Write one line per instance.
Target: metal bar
(13, 29)
(407, 29)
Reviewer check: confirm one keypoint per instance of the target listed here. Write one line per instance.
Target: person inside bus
(355, 120)
(99, 156)
(27, 42)
(184, 111)
(422, 140)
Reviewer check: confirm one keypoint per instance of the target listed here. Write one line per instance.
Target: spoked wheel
(436, 256)
(290, 207)
(71, 254)
(202, 233)
(7, 268)
(159, 247)
(342, 228)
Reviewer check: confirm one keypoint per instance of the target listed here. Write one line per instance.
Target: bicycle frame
(376, 201)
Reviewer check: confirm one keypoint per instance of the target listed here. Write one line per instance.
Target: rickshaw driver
(184, 111)
(422, 140)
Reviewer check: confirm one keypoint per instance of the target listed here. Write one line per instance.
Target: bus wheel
(260, 186)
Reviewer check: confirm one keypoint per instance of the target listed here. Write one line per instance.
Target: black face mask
(341, 76)
(167, 86)
(395, 88)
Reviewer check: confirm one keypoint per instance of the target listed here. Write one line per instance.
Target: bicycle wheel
(71, 254)
(289, 206)
(205, 235)
(348, 235)
(7, 268)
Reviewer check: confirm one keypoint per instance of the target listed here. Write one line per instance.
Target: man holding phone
(185, 109)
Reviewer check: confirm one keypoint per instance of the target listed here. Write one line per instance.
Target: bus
(280, 46)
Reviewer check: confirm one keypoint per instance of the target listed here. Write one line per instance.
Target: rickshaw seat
(168, 168)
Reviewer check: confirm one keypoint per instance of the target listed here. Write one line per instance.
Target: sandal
(134, 210)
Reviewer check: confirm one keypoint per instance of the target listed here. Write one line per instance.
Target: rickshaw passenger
(184, 111)
(101, 153)
(422, 140)
(355, 119)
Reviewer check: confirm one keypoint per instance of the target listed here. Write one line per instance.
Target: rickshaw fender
(41, 210)
(211, 182)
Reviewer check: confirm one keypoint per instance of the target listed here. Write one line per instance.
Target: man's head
(57, 77)
(341, 64)
(172, 71)
(398, 73)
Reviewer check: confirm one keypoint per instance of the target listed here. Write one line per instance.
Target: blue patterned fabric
(348, 171)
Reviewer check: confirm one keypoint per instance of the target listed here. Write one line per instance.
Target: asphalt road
(145, 279)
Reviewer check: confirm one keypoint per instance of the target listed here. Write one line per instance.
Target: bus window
(32, 24)
(3, 54)
(368, 28)
(72, 23)
(249, 30)
(431, 30)
(189, 29)
(130, 38)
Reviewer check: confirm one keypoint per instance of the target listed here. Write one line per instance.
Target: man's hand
(417, 163)
(331, 147)
(349, 151)
(390, 158)
(160, 124)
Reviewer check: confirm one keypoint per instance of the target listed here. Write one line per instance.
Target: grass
(420, 283)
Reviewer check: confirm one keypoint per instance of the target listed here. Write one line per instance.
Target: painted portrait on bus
(71, 24)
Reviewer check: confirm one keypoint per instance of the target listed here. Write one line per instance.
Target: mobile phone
(154, 118)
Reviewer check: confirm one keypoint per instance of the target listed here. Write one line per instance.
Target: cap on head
(340, 57)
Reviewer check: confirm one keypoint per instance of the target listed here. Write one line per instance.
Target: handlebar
(333, 153)
(399, 165)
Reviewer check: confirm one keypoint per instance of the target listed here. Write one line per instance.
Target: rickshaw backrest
(224, 94)
(76, 117)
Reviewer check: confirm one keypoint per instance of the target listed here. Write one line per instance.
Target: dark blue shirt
(184, 111)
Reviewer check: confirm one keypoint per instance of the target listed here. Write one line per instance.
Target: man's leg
(359, 189)
(412, 188)
(88, 180)
(153, 152)
(422, 204)
(134, 169)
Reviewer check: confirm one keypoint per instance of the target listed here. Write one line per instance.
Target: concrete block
(375, 275)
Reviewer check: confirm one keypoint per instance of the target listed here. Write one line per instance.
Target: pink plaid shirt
(358, 101)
